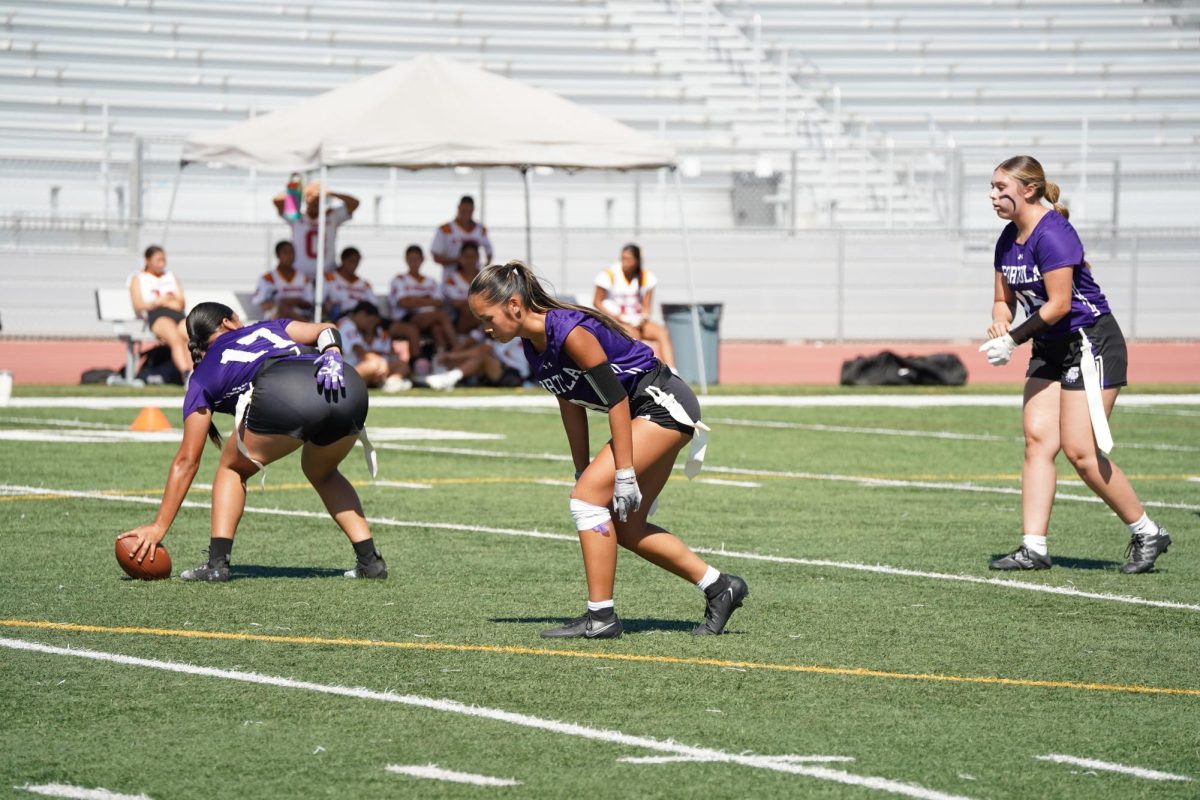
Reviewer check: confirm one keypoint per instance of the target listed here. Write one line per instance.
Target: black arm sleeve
(605, 384)
(1032, 326)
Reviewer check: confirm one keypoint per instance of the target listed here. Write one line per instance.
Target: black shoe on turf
(1143, 549)
(589, 626)
(376, 570)
(208, 572)
(1021, 558)
(724, 597)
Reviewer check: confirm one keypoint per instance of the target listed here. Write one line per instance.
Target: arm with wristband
(330, 373)
(1000, 348)
(585, 350)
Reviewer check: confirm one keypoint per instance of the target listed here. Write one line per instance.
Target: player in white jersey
(456, 285)
(368, 348)
(157, 297)
(625, 291)
(417, 300)
(344, 289)
(449, 238)
(305, 229)
(284, 293)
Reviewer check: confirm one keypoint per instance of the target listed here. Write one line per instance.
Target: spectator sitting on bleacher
(284, 293)
(344, 289)
(457, 283)
(157, 297)
(488, 362)
(625, 291)
(416, 299)
(368, 348)
(450, 238)
(304, 230)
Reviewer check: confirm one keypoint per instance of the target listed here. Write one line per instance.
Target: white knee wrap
(587, 516)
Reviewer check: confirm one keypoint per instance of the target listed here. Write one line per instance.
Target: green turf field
(876, 656)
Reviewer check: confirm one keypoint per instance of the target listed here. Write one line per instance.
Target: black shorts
(287, 400)
(643, 406)
(1058, 359)
(155, 314)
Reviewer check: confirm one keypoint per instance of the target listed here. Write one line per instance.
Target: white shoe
(395, 383)
(444, 380)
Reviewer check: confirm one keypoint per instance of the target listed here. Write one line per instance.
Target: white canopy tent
(435, 113)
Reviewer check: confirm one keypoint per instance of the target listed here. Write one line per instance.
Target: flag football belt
(699, 445)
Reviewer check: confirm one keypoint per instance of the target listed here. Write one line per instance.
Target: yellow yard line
(853, 672)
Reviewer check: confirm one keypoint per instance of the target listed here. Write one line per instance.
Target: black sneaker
(376, 570)
(212, 573)
(724, 597)
(1021, 558)
(589, 626)
(1143, 549)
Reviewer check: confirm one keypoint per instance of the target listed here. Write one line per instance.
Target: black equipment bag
(888, 369)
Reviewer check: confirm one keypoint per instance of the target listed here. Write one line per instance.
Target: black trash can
(678, 317)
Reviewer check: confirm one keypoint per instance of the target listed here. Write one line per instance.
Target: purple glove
(330, 375)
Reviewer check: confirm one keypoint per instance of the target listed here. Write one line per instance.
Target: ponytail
(202, 323)
(499, 282)
(1051, 193)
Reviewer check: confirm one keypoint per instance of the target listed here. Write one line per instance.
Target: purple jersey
(231, 362)
(561, 376)
(1054, 244)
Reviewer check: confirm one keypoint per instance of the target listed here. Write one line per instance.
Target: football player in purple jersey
(285, 395)
(1076, 368)
(588, 361)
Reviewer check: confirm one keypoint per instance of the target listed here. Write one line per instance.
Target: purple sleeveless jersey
(561, 376)
(231, 362)
(1054, 244)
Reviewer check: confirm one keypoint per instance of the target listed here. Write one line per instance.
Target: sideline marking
(858, 672)
(524, 400)
(1108, 766)
(499, 715)
(434, 772)
(79, 792)
(884, 569)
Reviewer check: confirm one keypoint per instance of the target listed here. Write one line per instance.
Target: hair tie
(515, 273)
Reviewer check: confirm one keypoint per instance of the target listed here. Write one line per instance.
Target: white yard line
(434, 772)
(1108, 766)
(402, 485)
(955, 486)
(922, 434)
(781, 759)
(543, 400)
(723, 482)
(497, 715)
(77, 792)
(883, 569)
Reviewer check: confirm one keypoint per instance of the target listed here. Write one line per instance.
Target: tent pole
(528, 178)
(171, 205)
(319, 291)
(687, 268)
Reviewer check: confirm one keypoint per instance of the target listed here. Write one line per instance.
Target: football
(148, 570)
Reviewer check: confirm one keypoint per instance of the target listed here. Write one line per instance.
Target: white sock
(710, 577)
(1037, 544)
(1143, 526)
(599, 605)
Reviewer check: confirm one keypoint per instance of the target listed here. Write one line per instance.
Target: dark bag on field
(157, 367)
(97, 375)
(888, 369)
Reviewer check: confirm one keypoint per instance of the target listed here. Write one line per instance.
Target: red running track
(44, 362)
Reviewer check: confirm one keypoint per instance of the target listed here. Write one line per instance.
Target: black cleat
(1143, 549)
(376, 570)
(588, 626)
(209, 572)
(724, 597)
(1022, 558)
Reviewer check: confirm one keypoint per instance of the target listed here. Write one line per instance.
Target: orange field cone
(151, 418)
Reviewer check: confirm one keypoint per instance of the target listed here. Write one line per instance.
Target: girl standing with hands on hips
(1076, 369)
(588, 361)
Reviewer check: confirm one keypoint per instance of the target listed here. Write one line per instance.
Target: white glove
(627, 495)
(999, 350)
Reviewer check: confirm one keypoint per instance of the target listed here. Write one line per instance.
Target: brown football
(148, 570)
